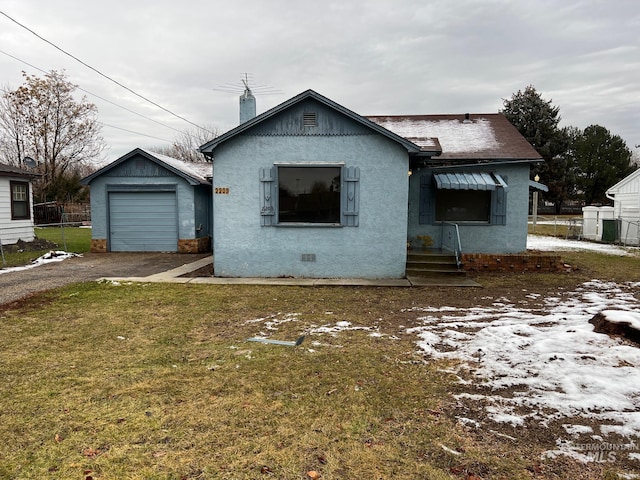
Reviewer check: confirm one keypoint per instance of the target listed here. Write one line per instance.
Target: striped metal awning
(469, 181)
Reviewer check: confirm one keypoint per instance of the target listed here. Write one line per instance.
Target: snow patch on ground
(547, 361)
(51, 257)
(554, 244)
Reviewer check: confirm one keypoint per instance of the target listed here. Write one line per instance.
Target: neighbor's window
(309, 194)
(463, 205)
(20, 201)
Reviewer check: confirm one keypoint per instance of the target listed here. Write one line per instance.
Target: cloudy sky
(374, 57)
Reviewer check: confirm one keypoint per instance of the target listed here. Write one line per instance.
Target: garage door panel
(143, 222)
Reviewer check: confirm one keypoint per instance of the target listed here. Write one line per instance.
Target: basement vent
(308, 257)
(309, 119)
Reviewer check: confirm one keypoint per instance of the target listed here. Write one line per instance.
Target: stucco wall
(13, 230)
(482, 238)
(374, 249)
(99, 202)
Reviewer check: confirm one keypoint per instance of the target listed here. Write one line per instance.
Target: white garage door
(143, 222)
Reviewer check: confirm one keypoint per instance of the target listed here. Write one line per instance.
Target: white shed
(626, 206)
(16, 205)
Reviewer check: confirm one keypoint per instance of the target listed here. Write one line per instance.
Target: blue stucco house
(312, 189)
(144, 201)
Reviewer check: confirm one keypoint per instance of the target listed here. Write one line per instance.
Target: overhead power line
(137, 133)
(96, 95)
(102, 74)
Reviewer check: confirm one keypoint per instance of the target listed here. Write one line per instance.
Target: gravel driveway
(89, 267)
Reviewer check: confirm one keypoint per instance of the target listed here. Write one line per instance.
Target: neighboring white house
(16, 205)
(626, 207)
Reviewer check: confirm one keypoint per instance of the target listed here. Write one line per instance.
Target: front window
(463, 205)
(309, 194)
(20, 201)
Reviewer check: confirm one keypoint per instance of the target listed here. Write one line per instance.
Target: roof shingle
(480, 137)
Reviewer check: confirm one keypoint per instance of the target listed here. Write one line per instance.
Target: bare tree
(185, 146)
(41, 119)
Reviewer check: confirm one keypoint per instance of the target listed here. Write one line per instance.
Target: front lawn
(70, 239)
(157, 381)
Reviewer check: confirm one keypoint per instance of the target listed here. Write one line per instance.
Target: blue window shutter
(427, 200)
(267, 197)
(499, 206)
(351, 197)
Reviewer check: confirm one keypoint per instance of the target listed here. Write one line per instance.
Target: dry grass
(158, 382)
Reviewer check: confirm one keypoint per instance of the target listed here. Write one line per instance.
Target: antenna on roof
(247, 100)
(246, 81)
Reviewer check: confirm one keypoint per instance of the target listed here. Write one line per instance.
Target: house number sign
(222, 190)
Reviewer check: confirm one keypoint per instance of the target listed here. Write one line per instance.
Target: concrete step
(432, 264)
(435, 257)
(422, 272)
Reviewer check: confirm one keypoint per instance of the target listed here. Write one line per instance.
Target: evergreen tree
(537, 120)
(602, 160)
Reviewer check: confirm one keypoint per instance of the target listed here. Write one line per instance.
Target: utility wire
(137, 133)
(95, 95)
(104, 75)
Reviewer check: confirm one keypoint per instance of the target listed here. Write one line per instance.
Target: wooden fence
(54, 212)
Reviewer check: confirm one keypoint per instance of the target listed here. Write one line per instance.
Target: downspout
(613, 199)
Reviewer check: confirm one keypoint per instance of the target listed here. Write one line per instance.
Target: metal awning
(469, 181)
(538, 186)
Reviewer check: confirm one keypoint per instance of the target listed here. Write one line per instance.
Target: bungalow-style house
(312, 189)
(16, 205)
(144, 201)
(626, 207)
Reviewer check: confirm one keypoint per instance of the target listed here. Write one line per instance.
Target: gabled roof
(481, 137)
(412, 148)
(10, 171)
(194, 173)
(633, 176)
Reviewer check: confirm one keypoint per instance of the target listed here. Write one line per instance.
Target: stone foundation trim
(194, 245)
(99, 245)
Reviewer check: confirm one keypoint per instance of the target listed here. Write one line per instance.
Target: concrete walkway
(175, 276)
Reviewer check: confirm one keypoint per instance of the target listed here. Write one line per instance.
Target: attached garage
(147, 202)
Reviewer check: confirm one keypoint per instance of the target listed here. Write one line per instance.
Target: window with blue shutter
(309, 194)
(351, 197)
(499, 204)
(267, 197)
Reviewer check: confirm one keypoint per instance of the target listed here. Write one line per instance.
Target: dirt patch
(602, 324)
(36, 245)
(206, 271)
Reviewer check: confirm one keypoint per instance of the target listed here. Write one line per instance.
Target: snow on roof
(454, 135)
(480, 136)
(199, 171)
